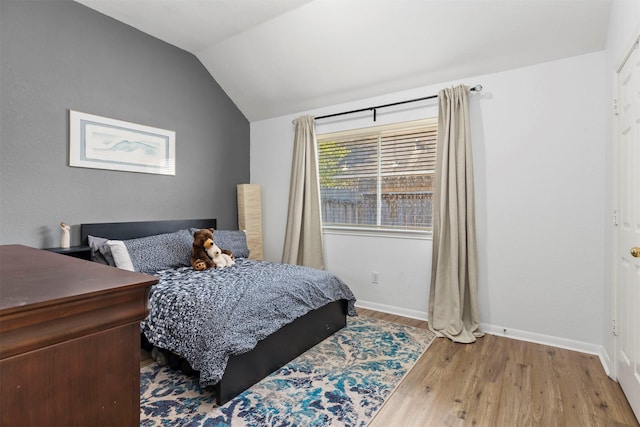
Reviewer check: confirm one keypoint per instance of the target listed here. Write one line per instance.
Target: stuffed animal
(203, 240)
(220, 259)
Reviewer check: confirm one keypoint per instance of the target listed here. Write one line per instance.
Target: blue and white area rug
(343, 381)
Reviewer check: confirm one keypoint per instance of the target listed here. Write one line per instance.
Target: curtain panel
(303, 237)
(453, 294)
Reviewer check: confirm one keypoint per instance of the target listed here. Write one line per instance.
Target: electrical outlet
(374, 277)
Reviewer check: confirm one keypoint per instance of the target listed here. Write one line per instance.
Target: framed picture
(103, 143)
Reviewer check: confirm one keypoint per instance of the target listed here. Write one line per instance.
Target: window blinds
(380, 177)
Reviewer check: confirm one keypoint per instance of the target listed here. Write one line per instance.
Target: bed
(234, 322)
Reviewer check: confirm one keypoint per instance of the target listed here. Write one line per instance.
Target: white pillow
(120, 254)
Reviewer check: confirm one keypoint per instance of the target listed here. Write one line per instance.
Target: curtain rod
(476, 88)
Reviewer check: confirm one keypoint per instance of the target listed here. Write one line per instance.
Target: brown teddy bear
(203, 240)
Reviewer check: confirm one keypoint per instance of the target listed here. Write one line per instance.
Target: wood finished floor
(498, 381)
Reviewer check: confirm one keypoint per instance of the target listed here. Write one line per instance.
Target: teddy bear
(221, 260)
(203, 240)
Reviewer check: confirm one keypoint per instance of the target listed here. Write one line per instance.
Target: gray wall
(60, 55)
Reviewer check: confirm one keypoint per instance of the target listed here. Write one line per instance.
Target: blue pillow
(160, 252)
(233, 240)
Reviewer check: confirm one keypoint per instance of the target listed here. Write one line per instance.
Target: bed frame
(271, 353)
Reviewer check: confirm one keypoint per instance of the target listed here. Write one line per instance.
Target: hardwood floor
(498, 381)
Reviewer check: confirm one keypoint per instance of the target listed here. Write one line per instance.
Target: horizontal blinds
(411, 151)
(408, 152)
(348, 157)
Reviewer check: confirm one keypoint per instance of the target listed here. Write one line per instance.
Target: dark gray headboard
(134, 230)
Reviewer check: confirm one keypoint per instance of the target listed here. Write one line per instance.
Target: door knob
(635, 252)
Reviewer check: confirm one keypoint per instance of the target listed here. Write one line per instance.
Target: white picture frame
(102, 143)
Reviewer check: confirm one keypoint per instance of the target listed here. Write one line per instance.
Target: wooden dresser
(69, 340)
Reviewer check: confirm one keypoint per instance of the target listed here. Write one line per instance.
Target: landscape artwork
(104, 143)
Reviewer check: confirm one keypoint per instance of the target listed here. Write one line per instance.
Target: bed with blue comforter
(233, 325)
(207, 316)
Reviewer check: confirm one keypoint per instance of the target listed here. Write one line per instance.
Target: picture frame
(103, 143)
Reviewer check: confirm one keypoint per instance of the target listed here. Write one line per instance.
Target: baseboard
(412, 314)
(549, 340)
(552, 341)
(606, 363)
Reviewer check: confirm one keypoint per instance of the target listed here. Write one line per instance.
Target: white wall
(538, 138)
(543, 142)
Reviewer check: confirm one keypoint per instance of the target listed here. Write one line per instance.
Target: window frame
(377, 230)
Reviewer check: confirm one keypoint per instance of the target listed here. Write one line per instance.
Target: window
(379, 177)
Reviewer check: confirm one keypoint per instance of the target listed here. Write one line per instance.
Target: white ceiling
(277, 57)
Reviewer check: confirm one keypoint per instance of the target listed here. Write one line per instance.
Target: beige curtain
(303, 238)
(453, 296)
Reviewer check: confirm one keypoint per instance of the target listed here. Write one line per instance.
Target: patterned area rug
(343, 381)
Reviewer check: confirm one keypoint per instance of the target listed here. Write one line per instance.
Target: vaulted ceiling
(277, 57)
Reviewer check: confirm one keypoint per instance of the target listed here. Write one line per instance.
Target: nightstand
(82, 252)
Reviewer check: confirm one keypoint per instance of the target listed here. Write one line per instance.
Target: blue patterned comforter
(206, 316)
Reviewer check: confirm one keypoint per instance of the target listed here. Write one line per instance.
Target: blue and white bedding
(206, 316)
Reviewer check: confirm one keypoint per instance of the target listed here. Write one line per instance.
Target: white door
(627, 264)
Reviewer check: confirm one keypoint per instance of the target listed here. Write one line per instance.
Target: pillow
(234, 240)
(120, 255)
(152, 253)
(100, 251)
